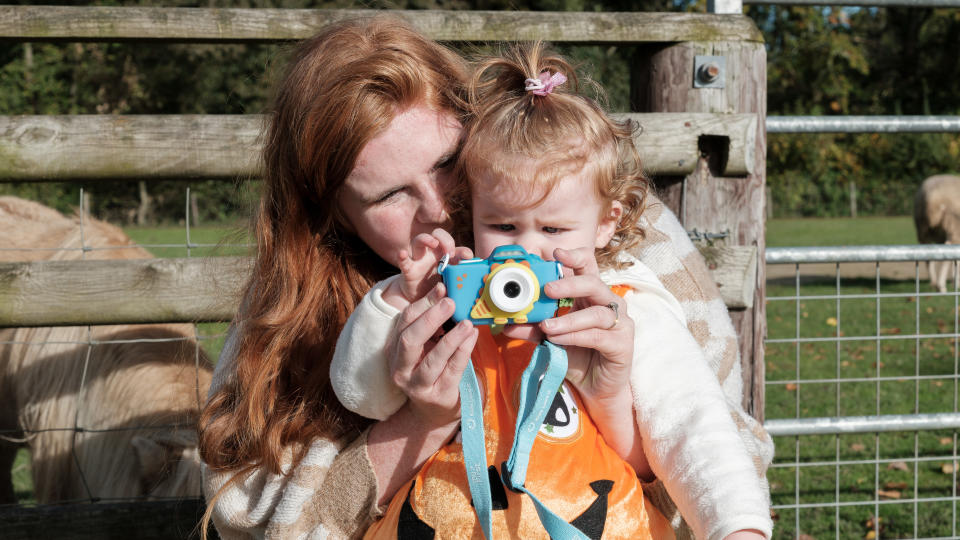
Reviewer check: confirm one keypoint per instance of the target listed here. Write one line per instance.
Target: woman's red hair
(340, 89)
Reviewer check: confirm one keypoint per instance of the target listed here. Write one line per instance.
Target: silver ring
(616, 314)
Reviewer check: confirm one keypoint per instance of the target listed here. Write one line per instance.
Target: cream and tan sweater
(333, 492)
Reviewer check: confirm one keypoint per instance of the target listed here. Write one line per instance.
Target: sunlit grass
(871, 348)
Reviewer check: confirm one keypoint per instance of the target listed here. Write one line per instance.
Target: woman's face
(397, 189)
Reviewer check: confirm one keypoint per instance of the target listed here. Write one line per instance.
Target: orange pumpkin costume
(572, 470)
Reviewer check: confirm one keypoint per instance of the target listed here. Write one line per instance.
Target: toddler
(548, 170)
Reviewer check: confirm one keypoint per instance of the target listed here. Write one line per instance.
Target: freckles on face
(397, 188)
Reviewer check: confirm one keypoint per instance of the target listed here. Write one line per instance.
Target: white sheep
(936, 214)
(139, 402)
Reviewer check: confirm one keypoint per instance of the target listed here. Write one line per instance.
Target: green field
(210, 241)
(916, 374)
(841, 231)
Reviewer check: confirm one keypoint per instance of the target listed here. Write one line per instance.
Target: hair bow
(545, 84)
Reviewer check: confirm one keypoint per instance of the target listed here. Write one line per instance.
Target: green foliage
(832, 61)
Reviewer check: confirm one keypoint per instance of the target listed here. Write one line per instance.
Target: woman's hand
(599, 338)
(427, 367)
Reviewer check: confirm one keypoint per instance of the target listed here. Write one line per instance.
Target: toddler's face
(569, 217)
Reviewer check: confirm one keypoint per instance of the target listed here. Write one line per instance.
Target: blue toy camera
(505, 288)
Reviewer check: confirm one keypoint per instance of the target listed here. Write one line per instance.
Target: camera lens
(513, 288)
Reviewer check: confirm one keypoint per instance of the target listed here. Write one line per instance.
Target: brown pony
(135, 390)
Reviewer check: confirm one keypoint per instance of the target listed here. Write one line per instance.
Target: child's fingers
(444, 240)
(462, 253)
(403, 260)
(424, 243)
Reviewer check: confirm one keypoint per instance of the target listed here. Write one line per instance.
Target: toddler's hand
(419, 267)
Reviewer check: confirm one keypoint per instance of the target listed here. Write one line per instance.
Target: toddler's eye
(504, 227)
(552, 230)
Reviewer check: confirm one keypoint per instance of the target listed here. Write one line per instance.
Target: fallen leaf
(805, 314)
(871, 535)
(946, 441)
(929, 310)
(845, 363)
(937, 383)
(895, 485)
(888, 494)
(898, 466)
(874, 365)
(791, 386)
(774, 515)
(948, 468)
(869, 522)
(858, 447)
(832, 321)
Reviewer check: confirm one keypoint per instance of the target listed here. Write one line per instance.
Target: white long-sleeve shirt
(688, 435)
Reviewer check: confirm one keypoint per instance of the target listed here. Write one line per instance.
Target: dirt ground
(897, 270)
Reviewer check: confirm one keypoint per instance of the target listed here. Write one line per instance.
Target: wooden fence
(705, 147)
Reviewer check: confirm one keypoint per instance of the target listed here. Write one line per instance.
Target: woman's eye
(504, 227)
(389, 195)
(445, 162)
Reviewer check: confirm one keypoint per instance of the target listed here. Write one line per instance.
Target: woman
(357, 162)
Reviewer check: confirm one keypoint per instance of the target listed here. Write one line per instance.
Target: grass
(912, 465)
(859, 362)
(880, 230)
(171, 241)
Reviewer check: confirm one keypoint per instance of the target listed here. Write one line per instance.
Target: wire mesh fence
(103, 413)
(861, 392)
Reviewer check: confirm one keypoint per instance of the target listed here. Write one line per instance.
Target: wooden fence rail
(102, 23)
(69, 293)
(111, 147)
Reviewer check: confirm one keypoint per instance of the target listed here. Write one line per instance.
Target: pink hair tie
(545, 84)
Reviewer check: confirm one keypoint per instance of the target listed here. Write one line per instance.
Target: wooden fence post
(663, 81)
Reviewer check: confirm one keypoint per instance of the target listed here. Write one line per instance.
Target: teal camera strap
(549, 362)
